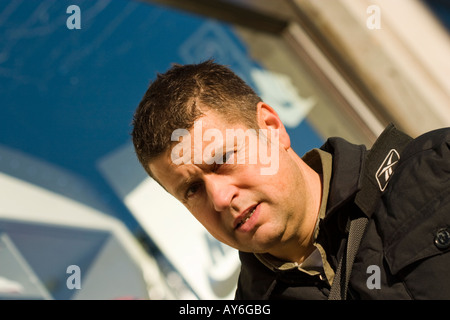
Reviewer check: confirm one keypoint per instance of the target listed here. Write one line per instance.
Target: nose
(220, 191)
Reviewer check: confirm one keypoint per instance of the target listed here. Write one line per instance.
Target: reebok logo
(386, 169)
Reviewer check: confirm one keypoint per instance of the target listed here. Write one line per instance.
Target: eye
(192, 190)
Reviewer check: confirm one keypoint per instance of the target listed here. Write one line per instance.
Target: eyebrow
(180, 189)
(222, 151)
(219, 153)
(182, 186)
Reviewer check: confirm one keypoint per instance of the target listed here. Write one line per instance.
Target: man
(209, 140)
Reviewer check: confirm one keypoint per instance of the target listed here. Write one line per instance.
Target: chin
(262, 243)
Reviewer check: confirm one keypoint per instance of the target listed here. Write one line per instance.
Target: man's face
(244, 200)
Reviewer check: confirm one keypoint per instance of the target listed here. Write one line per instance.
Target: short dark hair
(173, 99)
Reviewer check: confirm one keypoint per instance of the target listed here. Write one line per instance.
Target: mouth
(245, 216)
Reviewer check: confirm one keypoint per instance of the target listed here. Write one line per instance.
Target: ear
(269, 119)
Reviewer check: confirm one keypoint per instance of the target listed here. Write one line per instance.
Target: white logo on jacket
(386, 170)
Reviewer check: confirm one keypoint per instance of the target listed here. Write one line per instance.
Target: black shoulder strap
(377, 171)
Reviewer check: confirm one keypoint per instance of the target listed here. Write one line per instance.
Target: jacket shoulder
(416, 207)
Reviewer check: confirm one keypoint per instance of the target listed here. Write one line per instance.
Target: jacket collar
(348, 161)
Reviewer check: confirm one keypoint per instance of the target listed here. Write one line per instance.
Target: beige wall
(362, 76)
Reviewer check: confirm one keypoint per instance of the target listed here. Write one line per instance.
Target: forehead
(214, 119)
(210, 121)
(167, 171)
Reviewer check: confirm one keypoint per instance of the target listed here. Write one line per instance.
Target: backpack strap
(378, 168)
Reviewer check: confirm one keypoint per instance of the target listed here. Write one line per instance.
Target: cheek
(200, 215)
(215, 229)
(285, 184)
(208, 218)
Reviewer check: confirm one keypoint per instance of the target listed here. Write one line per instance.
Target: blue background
(67, 97)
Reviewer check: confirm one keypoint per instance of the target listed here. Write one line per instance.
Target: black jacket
(404, 253)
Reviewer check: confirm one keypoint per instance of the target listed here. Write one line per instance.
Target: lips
(245, 216)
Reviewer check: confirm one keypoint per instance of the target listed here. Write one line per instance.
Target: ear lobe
(269, 119)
